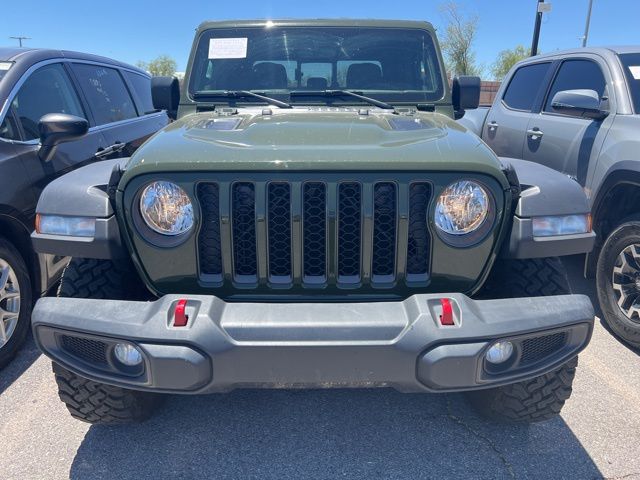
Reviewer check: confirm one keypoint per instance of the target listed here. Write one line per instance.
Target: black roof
(34, 55)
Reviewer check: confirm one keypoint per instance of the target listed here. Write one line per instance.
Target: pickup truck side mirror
(165, 92)
(465, 94)
(579, 103)
(56, 128)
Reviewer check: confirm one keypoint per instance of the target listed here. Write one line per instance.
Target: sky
(144, 29)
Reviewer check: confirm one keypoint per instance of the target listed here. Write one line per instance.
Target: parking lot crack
(460, 421)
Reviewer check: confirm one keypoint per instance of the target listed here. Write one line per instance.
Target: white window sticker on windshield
(635, 71)
(227, 48)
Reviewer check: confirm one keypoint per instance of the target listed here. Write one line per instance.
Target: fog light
(127, 354)
(499, 352)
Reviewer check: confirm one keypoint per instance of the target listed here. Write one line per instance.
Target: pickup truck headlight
(166, 208)
(462, 208)
(561, 225)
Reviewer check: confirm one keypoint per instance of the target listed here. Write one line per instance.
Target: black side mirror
(465, 94)
(579, 103)
(165, 92)
(56, 128)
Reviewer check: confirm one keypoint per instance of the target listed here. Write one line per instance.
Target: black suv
(59, 110)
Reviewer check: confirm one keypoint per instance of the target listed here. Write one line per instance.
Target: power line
(20, 39)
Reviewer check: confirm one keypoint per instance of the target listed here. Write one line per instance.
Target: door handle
(493, 125)
(535, 133)
(110, 150)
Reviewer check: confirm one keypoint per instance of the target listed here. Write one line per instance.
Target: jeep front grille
(315, 233)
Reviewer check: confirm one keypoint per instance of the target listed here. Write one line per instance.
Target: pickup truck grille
(315, 233)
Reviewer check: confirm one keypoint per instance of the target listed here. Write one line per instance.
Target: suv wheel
(86, 400)
(618, 281)
(16, 301)
(542, 397)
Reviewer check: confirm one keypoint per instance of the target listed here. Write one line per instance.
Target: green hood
(321, 139)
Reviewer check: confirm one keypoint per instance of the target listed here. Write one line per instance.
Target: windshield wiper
(339, 93)
(239, 94)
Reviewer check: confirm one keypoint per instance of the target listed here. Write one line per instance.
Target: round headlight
(166, 208)
(462, 208)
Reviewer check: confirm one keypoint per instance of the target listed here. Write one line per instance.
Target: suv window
(8, 128)
(47, 90)
(525, 85)
(631, 62)
(141, 85)
(106, 93)
(576, 74)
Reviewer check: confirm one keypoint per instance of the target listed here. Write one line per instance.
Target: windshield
(4, 68)
(389, 64)
(631, 63)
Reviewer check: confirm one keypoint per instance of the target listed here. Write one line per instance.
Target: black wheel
(86, 400)
(542, 397)
(535, 400)
(618, 281)
(16, 301)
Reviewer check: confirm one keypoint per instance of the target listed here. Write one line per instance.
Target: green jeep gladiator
(314, 218)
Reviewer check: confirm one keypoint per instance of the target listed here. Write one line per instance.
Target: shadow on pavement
(328, 434)
(28, 354)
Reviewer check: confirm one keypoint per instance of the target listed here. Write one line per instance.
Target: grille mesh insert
(535, 349)
(418, 244)
(279, 214)
(90, 351)
(243, 206)
(349, 229)
(384, 228)
(209, 237)
(314, 229)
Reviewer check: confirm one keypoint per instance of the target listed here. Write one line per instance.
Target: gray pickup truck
(578, 112)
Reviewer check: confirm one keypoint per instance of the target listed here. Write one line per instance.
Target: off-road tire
(90, 401)
(626, 234)
(535, 400)
(532, 277)
(11, 255)
(540, 398)
(97, 403)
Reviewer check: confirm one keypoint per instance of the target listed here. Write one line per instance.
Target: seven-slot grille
(344, 233)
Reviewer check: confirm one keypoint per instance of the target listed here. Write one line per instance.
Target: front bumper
(230, 345)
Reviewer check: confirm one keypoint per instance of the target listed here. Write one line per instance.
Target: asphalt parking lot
(330, 433)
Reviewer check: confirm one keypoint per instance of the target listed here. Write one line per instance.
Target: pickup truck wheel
(16, 301)
(618, 281)
(86, 400)
(535, 400)
(542, 397)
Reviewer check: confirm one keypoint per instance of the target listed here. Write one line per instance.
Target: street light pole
(586, 27)
(20, 39)
(536, 29)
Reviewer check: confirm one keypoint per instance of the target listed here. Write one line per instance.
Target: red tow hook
(447, 312)
(180, 317)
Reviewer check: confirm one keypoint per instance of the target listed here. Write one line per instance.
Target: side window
(141, 85)
(8, 128)
(106, 93)
(47, 90)
(525, 85)
(574, 75)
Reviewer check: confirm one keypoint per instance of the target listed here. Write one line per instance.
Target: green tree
(162, 66)
(457, 43)
(507, 59)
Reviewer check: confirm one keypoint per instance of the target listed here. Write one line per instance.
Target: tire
(101, 404)
(90, 401)
(533, 277)
(624, 326)
(535, 400)
(542, 397)
(15, 332)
